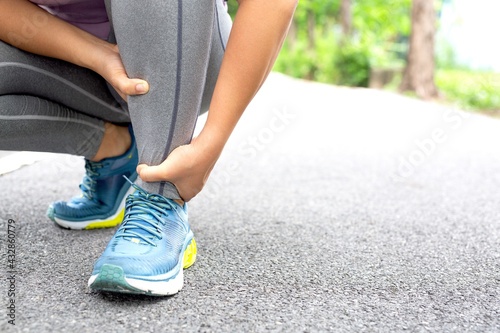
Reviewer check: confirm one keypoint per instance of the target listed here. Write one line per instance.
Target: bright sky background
(473, 27)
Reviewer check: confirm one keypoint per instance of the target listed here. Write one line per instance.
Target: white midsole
(163, 284)
(170, 287)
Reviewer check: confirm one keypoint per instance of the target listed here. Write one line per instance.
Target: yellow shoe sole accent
(107, 224)
(189, 255)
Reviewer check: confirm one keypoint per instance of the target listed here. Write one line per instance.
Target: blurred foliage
(383, 28)
(353, 65)
(470, 89)
(445, 55)
(378, 39)
(316, 49)
(232, 7)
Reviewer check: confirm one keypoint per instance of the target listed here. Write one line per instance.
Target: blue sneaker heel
(104, 190)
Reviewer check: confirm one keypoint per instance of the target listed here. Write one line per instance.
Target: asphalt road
(331, 210)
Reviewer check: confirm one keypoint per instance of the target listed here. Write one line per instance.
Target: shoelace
(143, 203)
(89, 181)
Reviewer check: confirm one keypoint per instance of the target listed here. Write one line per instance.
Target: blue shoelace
(143, 216)
(89, 180)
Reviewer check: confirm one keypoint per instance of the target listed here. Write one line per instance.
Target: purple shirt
(89, 15)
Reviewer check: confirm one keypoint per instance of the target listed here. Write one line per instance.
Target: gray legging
(54, 106)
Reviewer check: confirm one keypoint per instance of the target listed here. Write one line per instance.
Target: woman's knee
(11, 64)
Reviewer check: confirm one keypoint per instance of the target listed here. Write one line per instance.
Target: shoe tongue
(140, 217)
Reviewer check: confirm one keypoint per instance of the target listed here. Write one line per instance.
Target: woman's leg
(35, 124)
(53, 106)
(177, 46)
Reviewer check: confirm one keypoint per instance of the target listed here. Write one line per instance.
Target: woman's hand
(187, 167)
(111, 68)
(55, 38)
(256, 24)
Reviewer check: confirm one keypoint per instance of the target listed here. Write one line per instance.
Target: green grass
(470, 90)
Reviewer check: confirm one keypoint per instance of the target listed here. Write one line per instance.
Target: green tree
(232, 7)
(346, 18)
(339, 41)
(310, 46)
(383, 27)
(419, 72)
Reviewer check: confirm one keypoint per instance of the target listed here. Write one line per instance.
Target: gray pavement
(331, 210)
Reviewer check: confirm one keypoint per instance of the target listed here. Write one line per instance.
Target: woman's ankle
(116, 142)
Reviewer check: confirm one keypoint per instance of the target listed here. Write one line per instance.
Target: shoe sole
(112, 278)
(108, 222)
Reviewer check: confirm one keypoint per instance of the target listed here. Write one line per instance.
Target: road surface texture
(331, 210)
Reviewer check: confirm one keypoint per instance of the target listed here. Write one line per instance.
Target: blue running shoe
(149, 250)
(104, 191)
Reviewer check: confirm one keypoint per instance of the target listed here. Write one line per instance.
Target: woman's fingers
(187, 189)
(184, 167)
(151, 173)
(114, 72)
(131, 87)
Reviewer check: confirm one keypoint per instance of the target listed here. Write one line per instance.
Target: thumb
(131, 87)
(152, 173)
